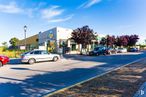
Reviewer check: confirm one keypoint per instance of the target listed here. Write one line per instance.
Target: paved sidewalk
(123, 82)
(142, 91)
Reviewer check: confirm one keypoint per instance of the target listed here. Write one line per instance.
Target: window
(44, 52)
(37, 52)
(31, 52)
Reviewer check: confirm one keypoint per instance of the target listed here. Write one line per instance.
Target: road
(24, 80)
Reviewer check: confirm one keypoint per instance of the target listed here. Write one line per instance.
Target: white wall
(63, 33)
(58, 34)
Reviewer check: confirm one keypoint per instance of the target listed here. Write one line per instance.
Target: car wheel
(55, 59)
(31, 61)
(1, 64)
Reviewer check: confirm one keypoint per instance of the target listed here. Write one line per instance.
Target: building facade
(56, 39)
(31, 43)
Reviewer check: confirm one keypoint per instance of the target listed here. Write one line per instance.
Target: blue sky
(113, 17)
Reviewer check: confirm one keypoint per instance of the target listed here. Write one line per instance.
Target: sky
(112, 17)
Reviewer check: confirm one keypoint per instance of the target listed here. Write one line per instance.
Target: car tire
(31, 61)
(55, 58)
(1, 64)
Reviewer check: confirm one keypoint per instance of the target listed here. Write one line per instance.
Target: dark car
(98, 51)
(3, 60)
(133, 50)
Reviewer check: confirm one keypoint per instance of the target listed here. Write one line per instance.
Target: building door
(73, 47)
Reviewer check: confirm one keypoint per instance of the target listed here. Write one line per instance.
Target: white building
(54, 38)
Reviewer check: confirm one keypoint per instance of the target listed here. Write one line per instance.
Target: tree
(126, 40)
(110, 40)
(103, 41)
(83, 36)
(5, 46)
(14, 41)
(121, 41)
(132, 40)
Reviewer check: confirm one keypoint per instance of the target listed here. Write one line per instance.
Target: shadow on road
(15, 61)
(39, 85)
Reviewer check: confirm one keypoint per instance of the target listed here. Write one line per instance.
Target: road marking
(63, 89)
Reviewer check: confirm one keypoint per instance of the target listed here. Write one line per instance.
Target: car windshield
(25, 53)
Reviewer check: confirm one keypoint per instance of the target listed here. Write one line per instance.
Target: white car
(37, 56)
(121, 50)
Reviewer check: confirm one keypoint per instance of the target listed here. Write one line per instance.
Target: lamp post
(25, 28)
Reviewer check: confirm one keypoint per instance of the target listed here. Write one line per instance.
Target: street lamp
(25, 28)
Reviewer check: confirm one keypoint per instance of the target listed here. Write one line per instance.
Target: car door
(45, 56)
(37, 56)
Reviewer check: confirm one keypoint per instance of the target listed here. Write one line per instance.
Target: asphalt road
(24, 80)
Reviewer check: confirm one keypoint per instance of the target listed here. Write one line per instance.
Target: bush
(11, 53)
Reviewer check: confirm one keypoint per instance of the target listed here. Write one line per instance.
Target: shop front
(55, 40)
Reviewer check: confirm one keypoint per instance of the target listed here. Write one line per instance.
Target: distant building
(57, 39)
(31, 43)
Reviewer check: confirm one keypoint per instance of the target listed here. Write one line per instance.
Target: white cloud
(13, 8)
(10, 8)
(89, 3)
(51, 14)
(61, 19)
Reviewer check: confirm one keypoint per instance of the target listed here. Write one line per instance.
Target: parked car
(121, 50)
(133, 50)
(4, 60)
(38, 56)
(111, 50)
(98, 51)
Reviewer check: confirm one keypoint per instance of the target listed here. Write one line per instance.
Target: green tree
(14, 41)
(83, 36)
(5, 46)
(103, 41)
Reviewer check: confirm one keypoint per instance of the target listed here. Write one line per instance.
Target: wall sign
(51, 35)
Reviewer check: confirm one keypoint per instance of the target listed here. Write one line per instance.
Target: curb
(63, 89)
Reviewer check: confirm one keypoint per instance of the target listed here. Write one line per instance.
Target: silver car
(122, 50)
(37, 56)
